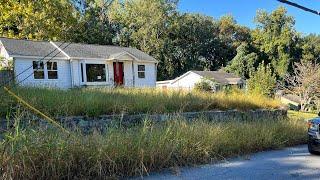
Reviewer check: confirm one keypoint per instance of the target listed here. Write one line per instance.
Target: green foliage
(204, 85)
(42, 19)
(277, 39)
(244, 63)
(50, 154)
(263, 81)
(179, 41)
(94, 102)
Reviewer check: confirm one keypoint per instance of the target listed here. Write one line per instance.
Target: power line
(299, 6)
(14, 77)
(16, 84)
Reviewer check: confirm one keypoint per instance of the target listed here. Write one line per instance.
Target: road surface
(290, 163)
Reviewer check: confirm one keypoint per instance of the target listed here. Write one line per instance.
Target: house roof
(16, 47)
(220, 76)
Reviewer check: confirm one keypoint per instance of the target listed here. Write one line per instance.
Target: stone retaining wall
(102, 122)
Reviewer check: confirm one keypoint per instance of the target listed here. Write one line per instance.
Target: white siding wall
(64, 75)
(75, 64)
(150, 75)
(65, 80)
(187, 82)
(128, 73)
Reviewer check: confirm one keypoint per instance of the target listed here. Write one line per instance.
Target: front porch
(107, 73)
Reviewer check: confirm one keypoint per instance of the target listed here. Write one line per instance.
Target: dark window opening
(96, 72)
(52, 68)
(82, 79)
(38, 70)
(141, 71)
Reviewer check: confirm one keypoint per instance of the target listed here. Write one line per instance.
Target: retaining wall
(102, 122)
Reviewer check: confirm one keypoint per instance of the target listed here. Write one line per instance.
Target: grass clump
(94, 102)
(40, 154)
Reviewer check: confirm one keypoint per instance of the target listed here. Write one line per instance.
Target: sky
(244, 11)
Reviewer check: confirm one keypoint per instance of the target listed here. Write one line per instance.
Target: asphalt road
(290, 163)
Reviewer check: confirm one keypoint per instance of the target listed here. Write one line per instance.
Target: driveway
(289, 163)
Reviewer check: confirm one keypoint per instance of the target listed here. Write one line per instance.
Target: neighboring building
(188, 80)
(68, 65)
(292, 101)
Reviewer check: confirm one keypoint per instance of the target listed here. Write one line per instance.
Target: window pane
(37, 65)
(38, 74)
(141, 67)
(52, 74)
(141, 75)
(52, 66)
(96, 72)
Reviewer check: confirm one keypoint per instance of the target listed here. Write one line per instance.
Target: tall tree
(94, 26)
(245, 62)
(276, 38)
(41, 19)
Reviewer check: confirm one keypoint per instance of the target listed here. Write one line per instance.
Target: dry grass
(39, 154)
(93, 102)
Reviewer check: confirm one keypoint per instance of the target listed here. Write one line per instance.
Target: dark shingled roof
(220, 76)
(17, 47)
(74, 50)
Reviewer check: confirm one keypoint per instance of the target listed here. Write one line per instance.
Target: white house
(188, 80)
(68, 65)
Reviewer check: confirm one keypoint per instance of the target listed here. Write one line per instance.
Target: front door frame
(118, 73)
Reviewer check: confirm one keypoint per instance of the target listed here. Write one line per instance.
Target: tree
(41, 19)
(95, 27)
(311, 48)
(244, 63)
(276, 39)
(263, 81)
(303, 82)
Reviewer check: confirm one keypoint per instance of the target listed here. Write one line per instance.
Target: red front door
(118, 73)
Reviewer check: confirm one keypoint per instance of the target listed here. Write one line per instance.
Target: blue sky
(245, 10)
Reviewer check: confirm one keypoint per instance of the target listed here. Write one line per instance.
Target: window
(82, 79)
(38, 70)
(141, 71)
(52, 70)
(96, 72)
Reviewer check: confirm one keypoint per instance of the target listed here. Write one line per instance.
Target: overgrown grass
(39, 154)
(93, 102)
(301, 115)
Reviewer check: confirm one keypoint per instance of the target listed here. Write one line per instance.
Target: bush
(263, 81)
(203, 85)
(39, 154)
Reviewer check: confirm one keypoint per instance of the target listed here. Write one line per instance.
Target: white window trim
(141, 71)
(85, 82)
(45, 70)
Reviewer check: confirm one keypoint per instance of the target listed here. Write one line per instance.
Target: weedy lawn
(94, 102)
(51, 154)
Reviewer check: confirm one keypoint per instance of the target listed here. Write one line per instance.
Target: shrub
(204, 85)
(263, 81)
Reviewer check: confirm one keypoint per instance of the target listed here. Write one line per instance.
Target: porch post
(133, 76)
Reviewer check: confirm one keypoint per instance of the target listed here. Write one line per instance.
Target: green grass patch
(93, 102)
(39, 154)
(301, 115)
